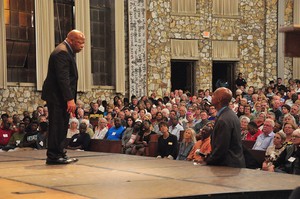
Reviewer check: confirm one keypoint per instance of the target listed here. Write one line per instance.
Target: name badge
(170, 143)
(291, 159)
(5, 135)
(75, 140)
(258, 143)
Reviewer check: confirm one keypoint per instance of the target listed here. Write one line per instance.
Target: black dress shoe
(60, 161)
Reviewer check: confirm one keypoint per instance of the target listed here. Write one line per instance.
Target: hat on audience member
(138, 120)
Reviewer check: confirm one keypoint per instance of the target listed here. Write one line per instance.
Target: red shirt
(253, 137)
(5, 136)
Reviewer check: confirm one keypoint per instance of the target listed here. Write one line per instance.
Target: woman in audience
(247, 112)
(274, 151)
(73, 127)
(244, 120)
(110, 119)
(167, 143)
(288, 118)
(288, 129)
(240, 110)
(158, 119)
(128, 131)
(256, 108)
(101, 129)
(188, 141)
(289, 159)
(130, 136)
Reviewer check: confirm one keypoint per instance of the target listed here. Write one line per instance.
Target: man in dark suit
(226, 140)
(59, 91)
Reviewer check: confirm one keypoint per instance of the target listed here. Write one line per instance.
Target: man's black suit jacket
(60, 85)
(226, 141)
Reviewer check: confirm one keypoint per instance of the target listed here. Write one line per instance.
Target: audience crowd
(269, 118)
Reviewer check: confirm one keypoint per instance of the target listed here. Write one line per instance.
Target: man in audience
(115, 132)
(295, 112)
(80, 140)
(204, 120)
(265, 139)
(175, 128)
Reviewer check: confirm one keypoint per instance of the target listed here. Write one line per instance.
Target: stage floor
(103, 175)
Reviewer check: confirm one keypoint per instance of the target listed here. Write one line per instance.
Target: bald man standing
(226, 140)
(59, 91)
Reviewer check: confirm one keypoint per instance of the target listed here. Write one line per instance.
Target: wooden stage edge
(107, 175)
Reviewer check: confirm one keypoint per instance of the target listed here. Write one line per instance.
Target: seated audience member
(5, 133)
(143, 139)
(212, 113)
(288, 129)
(95, 112)
(260, 119)
(115, 132)
(289, 160)
(202, 145)
(30, 138)
(244, 120)
(42, 136)
(295, 112)
(89, 129)
(167, 143)
(81, 140)
(247, 112)
(203, 122)
(175, 127)
(253, 131)
(190, 123)
(189, 139)
(288, 118)
(275, 150)
(130, 136)
(16, 138)
(158, 119)
(265, 139)
(101, 129)
(73, 127)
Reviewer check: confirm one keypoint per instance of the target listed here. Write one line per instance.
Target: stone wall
(255, 30)
(16, 99)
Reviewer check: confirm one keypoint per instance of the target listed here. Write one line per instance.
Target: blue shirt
(115, 133)
(264, 141)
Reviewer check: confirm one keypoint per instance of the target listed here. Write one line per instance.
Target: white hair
(75, 120)
(87, 122)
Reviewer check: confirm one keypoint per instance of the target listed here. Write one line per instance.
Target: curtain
(225, 50)
(184, 49)
(45, 43)
(3, 59)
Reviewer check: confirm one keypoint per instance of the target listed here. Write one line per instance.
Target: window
(20, 40)
(102, 42)
(63, 19)
(226, 7)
